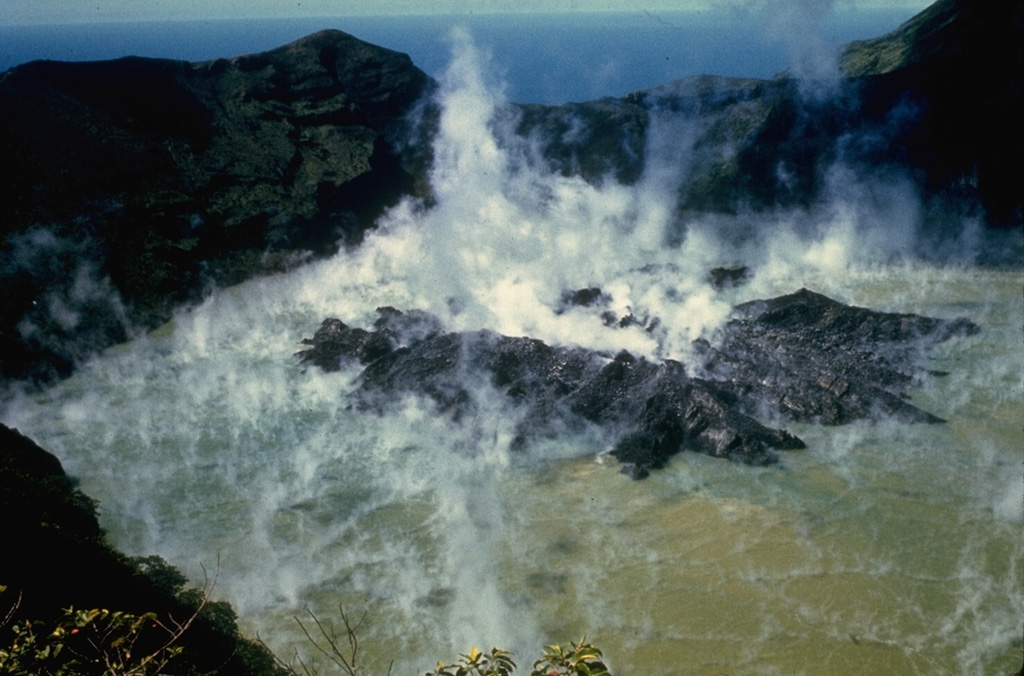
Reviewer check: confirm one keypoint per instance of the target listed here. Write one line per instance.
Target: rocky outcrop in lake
(800, 357)
(809, 358)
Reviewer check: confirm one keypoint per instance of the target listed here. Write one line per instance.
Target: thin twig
(13, 609)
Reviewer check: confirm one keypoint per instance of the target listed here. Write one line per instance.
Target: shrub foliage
(100, 642)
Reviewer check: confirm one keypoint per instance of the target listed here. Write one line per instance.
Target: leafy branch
(91, 641)
(475, 663)
(575, 659)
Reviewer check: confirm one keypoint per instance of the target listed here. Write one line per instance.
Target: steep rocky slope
(56, 557)
(154, 179)
(934, 105)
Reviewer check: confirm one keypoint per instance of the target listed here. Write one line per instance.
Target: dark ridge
(155, 180)
(159, 178)
(936, 103)
(55, 557)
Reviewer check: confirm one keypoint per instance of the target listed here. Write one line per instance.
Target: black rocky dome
(800, 357)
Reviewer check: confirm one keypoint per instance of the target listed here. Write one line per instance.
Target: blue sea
(551, 58)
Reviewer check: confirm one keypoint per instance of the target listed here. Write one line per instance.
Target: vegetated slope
(56, 557)
(148, 180)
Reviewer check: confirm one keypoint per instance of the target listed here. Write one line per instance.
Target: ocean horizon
(549, 58)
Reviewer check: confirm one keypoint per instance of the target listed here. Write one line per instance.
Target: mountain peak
(945, 29)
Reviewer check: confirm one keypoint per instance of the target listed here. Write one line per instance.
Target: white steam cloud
(507, 237)
(798, 24)
(205, 438)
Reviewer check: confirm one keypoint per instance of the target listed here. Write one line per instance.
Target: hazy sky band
(81, 11)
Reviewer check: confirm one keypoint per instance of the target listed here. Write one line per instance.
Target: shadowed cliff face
(162, 177)
(56, 556)
(934, 105)
(958, 63)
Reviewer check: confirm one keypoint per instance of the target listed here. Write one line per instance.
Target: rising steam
(207, 439)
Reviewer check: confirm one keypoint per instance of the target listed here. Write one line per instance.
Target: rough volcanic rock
(157, 178)
(653, 410)
(729, 277)
(594, 139)
(803, 357)
(810, 358)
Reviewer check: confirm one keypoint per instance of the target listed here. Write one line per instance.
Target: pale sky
(80, 11)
